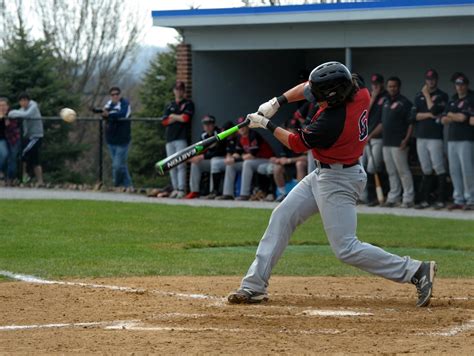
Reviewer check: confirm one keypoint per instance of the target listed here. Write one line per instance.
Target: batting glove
(269, 108)
(257, 121)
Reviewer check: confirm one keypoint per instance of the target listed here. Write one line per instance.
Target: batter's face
(393, 88)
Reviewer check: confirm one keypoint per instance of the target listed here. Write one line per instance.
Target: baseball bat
(378, 183)
(195, 149)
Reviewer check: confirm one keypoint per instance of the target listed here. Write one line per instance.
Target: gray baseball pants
(178, 174)
(396, 163)
(461, 169)
(196, 172)
(431, 155)
(373, 165)
(213, 165)
(333, 193)
(248, 168)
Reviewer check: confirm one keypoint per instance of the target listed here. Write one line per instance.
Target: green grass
(91, 239)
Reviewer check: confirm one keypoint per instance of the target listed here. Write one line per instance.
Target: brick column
(184, 67)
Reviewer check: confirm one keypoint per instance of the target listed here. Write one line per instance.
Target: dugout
(236, 58)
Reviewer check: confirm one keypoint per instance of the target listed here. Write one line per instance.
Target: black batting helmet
(331, 82)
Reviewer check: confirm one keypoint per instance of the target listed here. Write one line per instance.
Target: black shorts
(31, 151)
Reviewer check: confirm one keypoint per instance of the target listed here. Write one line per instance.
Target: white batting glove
(257, 121)
(269, 108)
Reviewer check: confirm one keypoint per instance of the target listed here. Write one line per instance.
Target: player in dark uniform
(429, 104)
(176, 119)
(373, 159)
(461, 144)
(397, 127)
(336, 136)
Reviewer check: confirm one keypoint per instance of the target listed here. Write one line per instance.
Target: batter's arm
(283, 136)
(294, 94)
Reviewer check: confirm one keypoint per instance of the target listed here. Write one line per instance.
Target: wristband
(282, 100)
(271, 126)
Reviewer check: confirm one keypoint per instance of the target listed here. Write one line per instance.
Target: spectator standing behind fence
(12, 137)
(430, 103)
(117, 113)
(176, 118)
(461, 144)
(397, 129)
(206, 161)
(373, 163)
(249, 152)
(33, 135)
(3, 139)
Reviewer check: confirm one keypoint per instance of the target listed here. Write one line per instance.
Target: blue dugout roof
(346, 6)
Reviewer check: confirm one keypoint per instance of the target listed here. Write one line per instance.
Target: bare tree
(93, 38)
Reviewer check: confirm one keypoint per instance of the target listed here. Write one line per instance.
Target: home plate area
(190, 315)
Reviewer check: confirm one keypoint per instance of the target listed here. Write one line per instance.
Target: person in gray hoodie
(33, 135)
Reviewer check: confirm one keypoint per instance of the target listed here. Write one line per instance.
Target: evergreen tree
(28, 65)
(148, 144)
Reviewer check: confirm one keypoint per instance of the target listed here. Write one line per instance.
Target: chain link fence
(77, 153)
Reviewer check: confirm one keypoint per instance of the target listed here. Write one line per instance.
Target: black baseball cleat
(423, 281)
(246, 296)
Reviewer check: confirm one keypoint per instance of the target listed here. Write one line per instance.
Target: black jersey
(429, 128)
(396, 117)
(460, 131)
(178, 130)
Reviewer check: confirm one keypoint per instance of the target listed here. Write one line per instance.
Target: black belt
(328, 166)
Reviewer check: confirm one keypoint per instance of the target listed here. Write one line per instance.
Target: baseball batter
(337, 136)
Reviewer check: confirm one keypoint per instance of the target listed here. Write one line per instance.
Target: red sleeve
(296, 143)
(186, 118)
(166, 121)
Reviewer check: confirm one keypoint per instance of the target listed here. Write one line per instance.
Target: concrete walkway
(48, 194)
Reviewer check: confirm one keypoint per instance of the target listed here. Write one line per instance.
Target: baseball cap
(461, 79)
(376, 78)
(179, 85)
(431, 74)
(208, 119)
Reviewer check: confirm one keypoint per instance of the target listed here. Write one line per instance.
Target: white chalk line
(59, 325)
(137, 326)
(455, 330)
(37, 280)
(337, 313)
(371, 297)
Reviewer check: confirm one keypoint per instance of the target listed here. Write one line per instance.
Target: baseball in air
(68, 115)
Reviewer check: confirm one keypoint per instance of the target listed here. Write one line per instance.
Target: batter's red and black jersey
(336, 135)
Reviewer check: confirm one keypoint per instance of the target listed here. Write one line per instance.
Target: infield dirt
(176, 315)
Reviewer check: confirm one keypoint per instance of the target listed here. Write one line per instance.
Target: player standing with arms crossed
(337, 136)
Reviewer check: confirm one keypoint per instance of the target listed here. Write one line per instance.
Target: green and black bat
(182, 156)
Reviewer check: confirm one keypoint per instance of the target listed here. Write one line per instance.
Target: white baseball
(68, 115)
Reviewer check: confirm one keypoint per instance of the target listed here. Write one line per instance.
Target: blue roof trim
(361, 5)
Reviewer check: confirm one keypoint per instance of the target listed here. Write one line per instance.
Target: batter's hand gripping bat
(195, 149)
(378, 184)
